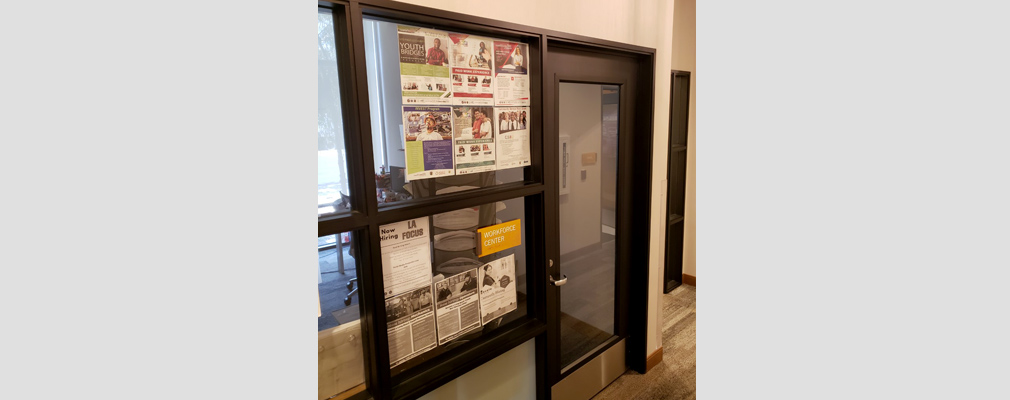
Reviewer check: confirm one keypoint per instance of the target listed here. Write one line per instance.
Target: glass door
(587, 204)
(590, 344)
(599, 146)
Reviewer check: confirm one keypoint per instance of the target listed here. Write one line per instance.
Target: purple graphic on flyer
(437, 154)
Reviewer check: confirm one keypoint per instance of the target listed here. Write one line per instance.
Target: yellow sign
(499, 237)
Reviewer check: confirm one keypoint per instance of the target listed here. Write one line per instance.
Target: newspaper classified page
(410, 320)
(456, 305)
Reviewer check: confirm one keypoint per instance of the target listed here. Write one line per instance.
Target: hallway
(674, 377)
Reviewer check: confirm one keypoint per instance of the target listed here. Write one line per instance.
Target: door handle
(559, 282)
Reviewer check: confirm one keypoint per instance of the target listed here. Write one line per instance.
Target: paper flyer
(471, 70)
(427, 132)
(406, 255)
(513, 138)
(424, 65)
(512, 80)
(473, 139)
(410, 322)
(456, 305)
(497, 288)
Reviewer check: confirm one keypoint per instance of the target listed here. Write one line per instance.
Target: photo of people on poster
(436, 55)
(510, 58)
(427, 125)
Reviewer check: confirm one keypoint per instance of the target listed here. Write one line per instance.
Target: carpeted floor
(674, 377)
(333, 289)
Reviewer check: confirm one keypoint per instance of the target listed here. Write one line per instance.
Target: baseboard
(654, 359)
(689, 280)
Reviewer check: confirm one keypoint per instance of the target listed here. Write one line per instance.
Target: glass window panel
(588, 218)
(388, 143)
(333, 186)
(341, 356)
(453, 241)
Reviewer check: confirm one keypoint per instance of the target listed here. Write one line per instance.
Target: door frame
(673, 257)
(633, 207)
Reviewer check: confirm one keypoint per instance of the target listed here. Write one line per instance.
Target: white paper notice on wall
(456, 305)
(497, 288)
(471, 63)
(410, 325)
(512, 140)
(511, 69)
(406, 256)
(473, 139)
(424, 65)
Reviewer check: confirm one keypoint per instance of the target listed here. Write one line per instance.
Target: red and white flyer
(511, 68)
(471, 63)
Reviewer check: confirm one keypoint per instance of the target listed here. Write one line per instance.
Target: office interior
(668, 27)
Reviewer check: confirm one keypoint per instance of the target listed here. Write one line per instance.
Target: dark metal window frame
(676, 178)
(366, 215)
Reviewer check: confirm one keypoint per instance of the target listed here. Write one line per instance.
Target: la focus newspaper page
(456, 305)
(410, 320)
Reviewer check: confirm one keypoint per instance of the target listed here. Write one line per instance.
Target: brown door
(596, 231)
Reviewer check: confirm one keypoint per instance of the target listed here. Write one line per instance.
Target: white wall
(684, 60)
(647, 23)
(581, 118)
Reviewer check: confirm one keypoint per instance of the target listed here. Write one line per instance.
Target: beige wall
(581, 118)
(684, 60)
(647, 23)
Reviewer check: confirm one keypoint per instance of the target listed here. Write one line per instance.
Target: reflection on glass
(334, 188)
(388, 143)
(454, 252)
(341, 357)
(588, 117)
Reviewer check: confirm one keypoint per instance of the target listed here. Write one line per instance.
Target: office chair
(353, 289)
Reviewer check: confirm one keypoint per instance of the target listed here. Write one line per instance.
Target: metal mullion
(423, 21)
(366, 201)
(443, 20)
(594, 45)
(371, 295)
(639, 257)
(343, 224)
(537, 52)
(332, 3)
(537, 284)
(348, 91)
(446, 19)
(373, 315)
(552, 344)
(437, 205)
(625, 205)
